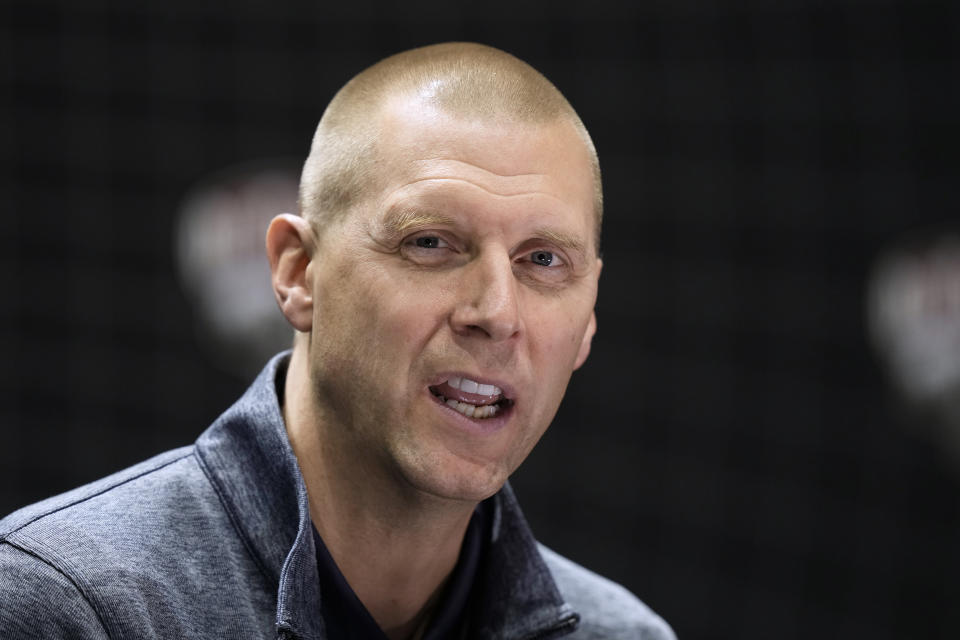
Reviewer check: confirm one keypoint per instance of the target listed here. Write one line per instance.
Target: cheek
(555, 338)
(375, 321)
(345, 321)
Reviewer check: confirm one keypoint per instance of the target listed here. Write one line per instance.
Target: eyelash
(416, 242)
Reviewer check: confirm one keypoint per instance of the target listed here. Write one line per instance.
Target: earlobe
(290, 249)
(586, 341)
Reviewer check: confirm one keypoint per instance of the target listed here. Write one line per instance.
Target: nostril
(478, 328)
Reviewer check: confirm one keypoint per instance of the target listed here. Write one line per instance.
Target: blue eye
(542, 258)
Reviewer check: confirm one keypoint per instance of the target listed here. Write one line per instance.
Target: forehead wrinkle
(473, 167)
(477, 185)
(450, 169)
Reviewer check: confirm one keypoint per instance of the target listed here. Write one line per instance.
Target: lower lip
(483, 425)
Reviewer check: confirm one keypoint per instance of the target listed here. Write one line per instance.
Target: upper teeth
(472, 386)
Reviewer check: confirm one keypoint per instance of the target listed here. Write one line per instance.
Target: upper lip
(506, 388)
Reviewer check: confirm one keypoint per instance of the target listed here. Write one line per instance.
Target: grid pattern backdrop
(731, 451)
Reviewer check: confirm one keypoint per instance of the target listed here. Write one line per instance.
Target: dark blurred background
(733, 451)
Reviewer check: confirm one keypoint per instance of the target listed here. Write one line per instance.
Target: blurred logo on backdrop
(219, 249)
(914, 321)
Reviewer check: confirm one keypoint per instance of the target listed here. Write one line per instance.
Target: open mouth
(471, 398)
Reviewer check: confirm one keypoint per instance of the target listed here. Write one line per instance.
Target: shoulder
(134, 553)
(607, 609)
(131, 477)
(123, 522)
(38, 601)
(100, 507)
(105, 542)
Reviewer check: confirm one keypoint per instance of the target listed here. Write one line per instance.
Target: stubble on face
(383, 322)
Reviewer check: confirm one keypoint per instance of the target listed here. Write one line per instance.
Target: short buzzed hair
(463, 79)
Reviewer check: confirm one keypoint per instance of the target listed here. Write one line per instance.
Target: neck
(395, 546)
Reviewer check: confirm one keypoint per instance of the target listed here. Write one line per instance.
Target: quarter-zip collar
(249, 460)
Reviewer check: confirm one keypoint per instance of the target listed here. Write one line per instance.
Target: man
(441, 282)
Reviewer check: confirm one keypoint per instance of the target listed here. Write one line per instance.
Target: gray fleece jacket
(215, 541)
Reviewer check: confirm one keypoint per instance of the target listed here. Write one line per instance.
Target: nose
(488, 303)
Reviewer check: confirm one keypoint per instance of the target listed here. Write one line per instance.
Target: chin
(465, 482)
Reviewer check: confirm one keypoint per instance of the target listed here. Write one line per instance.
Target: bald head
(465, 80)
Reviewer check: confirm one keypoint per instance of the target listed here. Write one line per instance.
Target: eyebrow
(562, 240)
(400, 222)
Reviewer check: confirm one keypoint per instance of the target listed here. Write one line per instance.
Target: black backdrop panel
(730, 452)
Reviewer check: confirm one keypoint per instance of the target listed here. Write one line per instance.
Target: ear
(587, 340)
(591, 330)
(290, 249)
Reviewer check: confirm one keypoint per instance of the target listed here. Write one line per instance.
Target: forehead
(419, 146)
